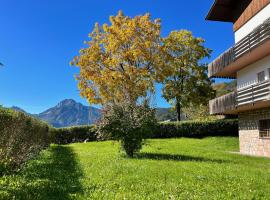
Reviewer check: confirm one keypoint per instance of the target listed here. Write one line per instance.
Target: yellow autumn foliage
(121, 61)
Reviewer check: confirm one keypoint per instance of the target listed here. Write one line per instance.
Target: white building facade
(248, 61)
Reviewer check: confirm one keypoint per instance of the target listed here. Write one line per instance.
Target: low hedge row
(196, 129)
(73, 134)
(21, 137)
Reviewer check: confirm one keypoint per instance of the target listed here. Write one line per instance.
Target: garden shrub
(128, 123)
(21, 137)
(197, 129)
(73, 134)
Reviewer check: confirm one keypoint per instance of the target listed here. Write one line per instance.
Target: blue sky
(38, 39)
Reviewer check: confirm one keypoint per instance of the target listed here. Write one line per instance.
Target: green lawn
(165, 169)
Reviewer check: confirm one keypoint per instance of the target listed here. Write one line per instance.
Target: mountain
(23, 111)
(70, 113)
(19, 109)
(164, 114)
(67, 113)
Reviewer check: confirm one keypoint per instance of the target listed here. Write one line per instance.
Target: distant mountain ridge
(67, 113)
(164, 114)
(71, 113)
(19, 109)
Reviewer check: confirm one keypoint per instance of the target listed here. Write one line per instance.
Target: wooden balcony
(250, 49)
(225, 104)
(253, 97)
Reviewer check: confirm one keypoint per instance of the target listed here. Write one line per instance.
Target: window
(264, 128)
(261, 76)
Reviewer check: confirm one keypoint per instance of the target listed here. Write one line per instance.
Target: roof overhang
(227, 10)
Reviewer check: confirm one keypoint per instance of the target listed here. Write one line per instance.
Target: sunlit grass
(165, 169)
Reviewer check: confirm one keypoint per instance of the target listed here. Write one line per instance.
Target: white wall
(248, 75)
(256, 20)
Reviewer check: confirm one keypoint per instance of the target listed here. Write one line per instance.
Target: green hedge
(197, 129)
(21, 137)
(73, 134)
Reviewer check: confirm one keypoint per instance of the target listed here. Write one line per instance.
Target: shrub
(198, 129)
(129, 124)
(73, 134)
(21, 137)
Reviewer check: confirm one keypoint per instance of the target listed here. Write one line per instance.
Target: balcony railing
(227, 104)
(223, 104)
(247, 44)
(254, 93)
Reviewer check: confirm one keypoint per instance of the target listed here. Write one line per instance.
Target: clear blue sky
(39, 38)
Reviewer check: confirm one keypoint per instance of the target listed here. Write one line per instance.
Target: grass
(165, 169)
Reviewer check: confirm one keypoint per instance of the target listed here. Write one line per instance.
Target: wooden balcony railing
(221, 105)
(228, 103)
(247, 44)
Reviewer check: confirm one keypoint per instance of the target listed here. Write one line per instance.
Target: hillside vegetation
(165, 169)
(224, 88)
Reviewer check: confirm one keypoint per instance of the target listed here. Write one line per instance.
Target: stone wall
(250, 141)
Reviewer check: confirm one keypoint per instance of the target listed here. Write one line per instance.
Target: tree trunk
(178, 110)
(130, 153)
(179, 98)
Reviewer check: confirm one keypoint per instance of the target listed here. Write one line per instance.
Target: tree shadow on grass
(53, 176)
(176, 157)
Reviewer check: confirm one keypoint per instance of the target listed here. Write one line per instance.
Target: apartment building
(247, 61)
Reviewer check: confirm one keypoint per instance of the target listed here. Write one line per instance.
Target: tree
(187, 83)
(118, 68)
(121, 61)
(128, 123)
(198, 112)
